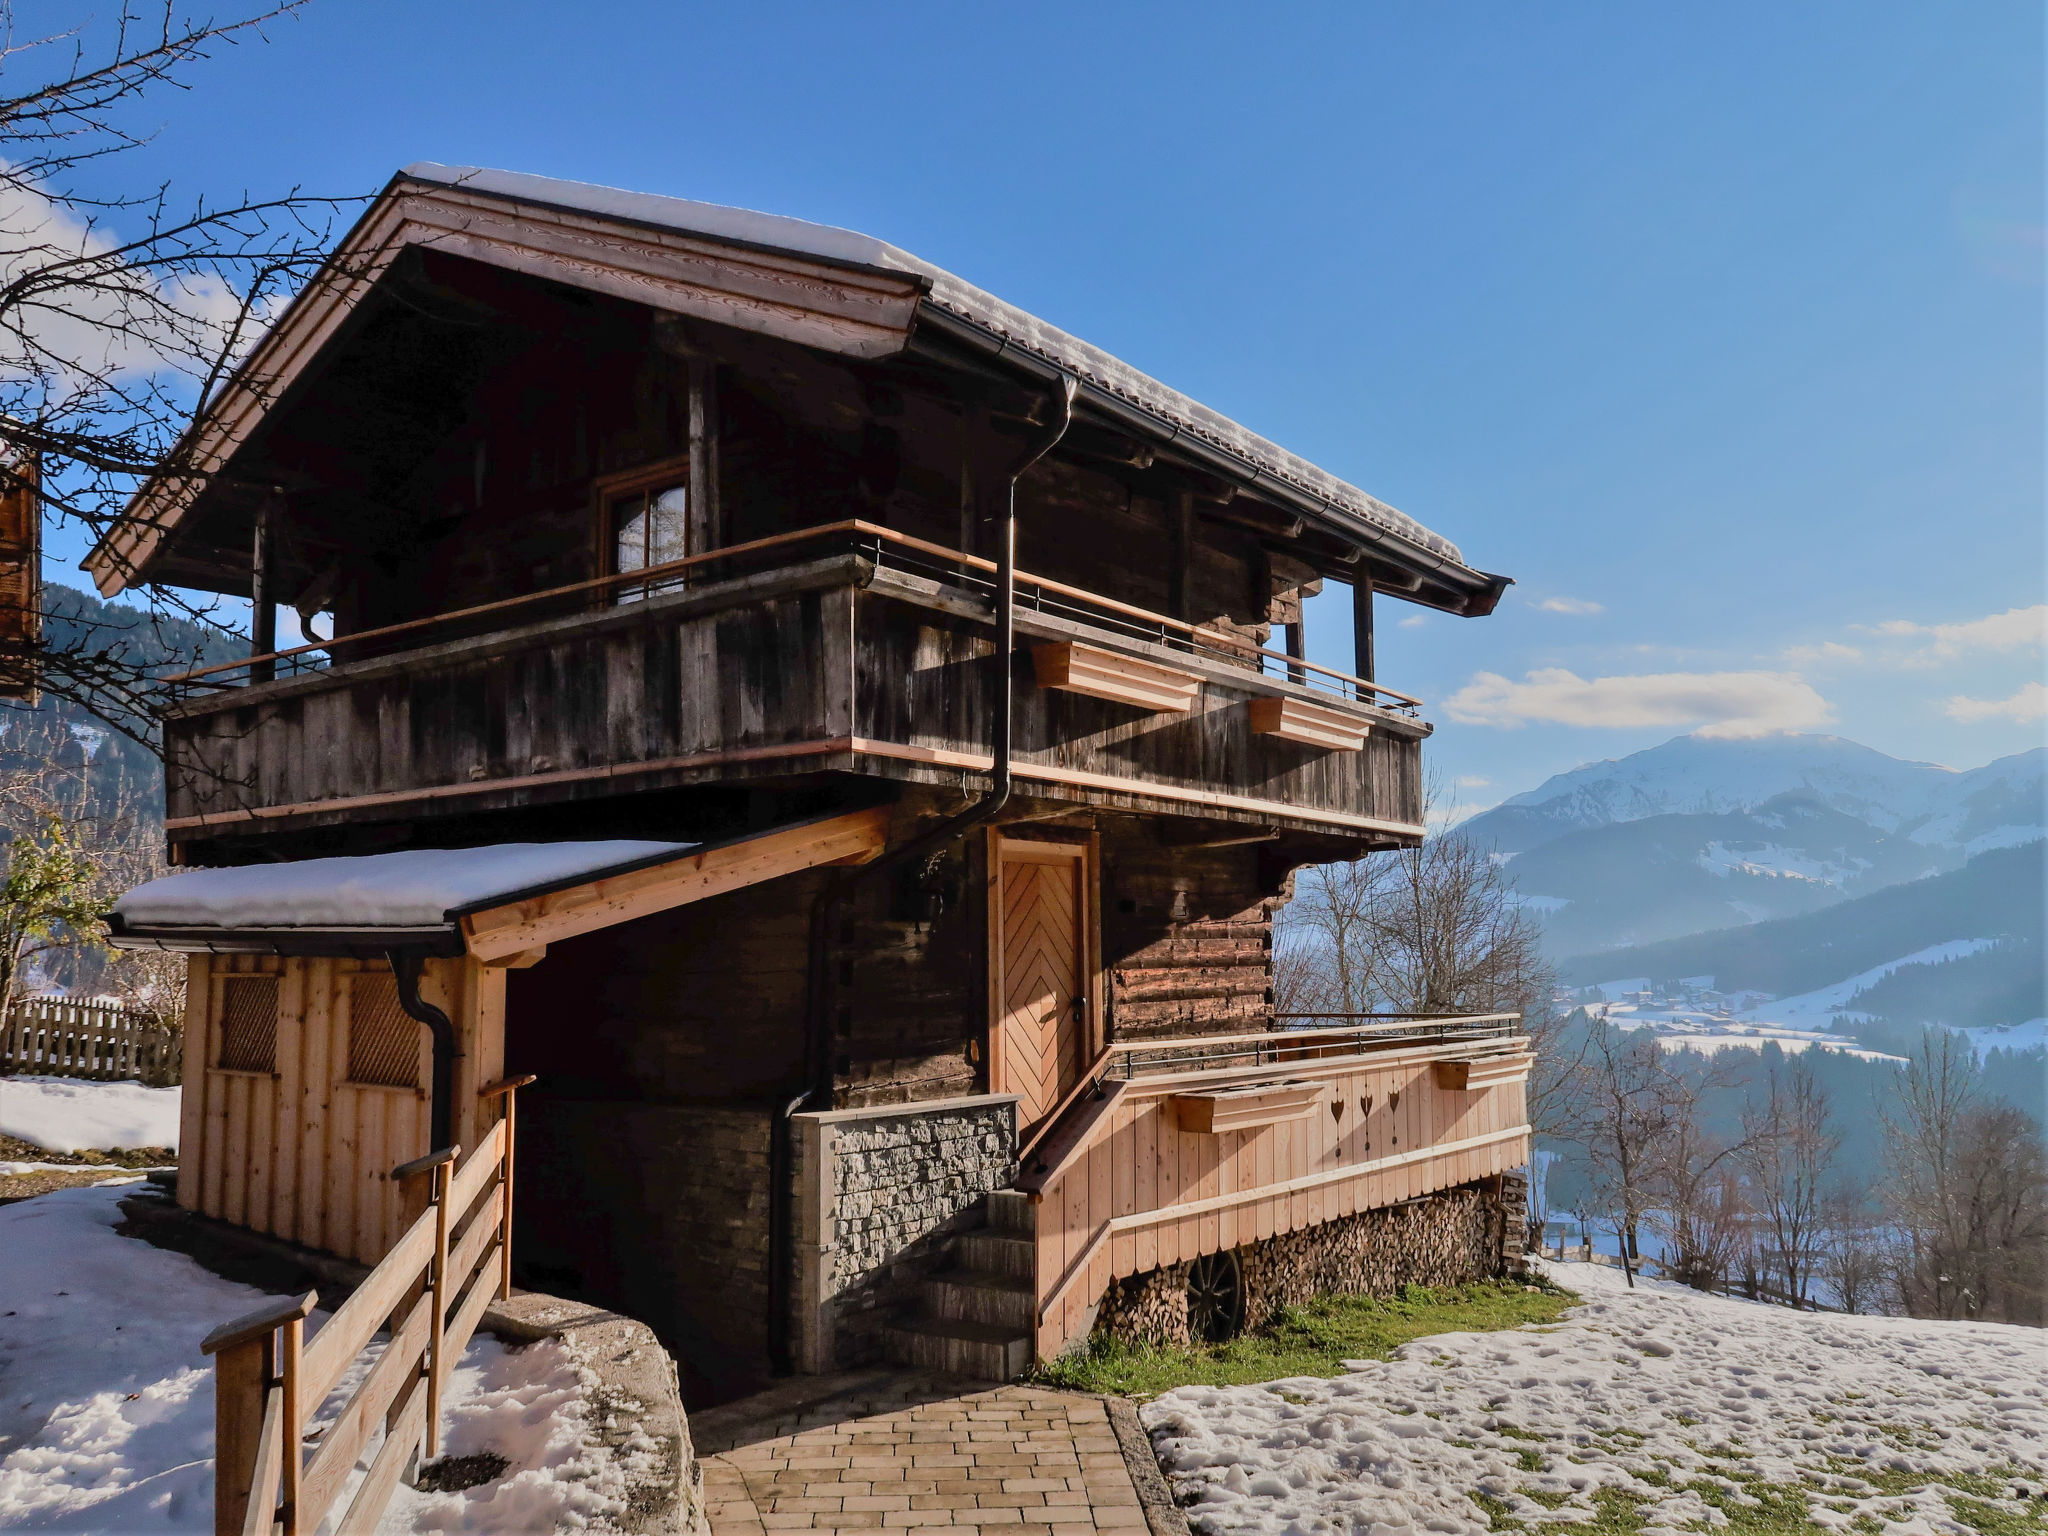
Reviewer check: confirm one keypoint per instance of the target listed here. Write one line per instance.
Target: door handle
(1080, 1010)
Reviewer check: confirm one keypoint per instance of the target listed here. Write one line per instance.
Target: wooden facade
(641, 526)
(299, 1100)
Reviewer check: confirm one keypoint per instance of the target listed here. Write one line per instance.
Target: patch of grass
(1310, 1340)
(1992, 1521)
(1616, 1512)
(14, 1150)
(1530, 1461)
(1760, 1509)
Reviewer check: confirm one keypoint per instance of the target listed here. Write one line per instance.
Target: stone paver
(1006, 1461)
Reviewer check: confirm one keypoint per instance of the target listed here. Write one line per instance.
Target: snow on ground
(106, 1404)
(2029, 1036)
(1814, 1009)
(69, 1114)
(1661, 1397)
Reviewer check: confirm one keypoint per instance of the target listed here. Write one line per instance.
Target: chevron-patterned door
(1044, 990)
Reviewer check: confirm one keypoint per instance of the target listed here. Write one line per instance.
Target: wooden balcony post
(1361, 628)
(262, 593)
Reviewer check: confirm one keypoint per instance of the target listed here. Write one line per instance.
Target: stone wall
(878, 1193)
(1447, 1238)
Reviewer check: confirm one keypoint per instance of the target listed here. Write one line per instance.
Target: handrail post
(291, 1348)
(505, 1196)
(239, 1374)
(438, 1281)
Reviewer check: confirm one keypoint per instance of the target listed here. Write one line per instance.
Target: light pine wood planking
(302, 1153)
(1373, 1115)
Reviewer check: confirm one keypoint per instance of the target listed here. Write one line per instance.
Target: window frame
(645, 481)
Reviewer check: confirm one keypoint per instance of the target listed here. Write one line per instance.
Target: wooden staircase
(978, 1315)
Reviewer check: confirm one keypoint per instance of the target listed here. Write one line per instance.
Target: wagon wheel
(1215, 1297)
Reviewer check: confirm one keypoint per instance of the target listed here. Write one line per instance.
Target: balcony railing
(885, 548)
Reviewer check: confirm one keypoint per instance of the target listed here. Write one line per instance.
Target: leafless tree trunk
(1632, 1106)
(1789, 1149)
(1966, 1192)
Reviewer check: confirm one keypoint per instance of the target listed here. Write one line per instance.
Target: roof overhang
(502, 904)
(814, 285)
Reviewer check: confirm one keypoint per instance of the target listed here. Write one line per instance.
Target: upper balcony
(847, 648)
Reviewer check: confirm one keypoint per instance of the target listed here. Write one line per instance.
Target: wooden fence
(1166, 1166)
(428, 1294)
(61, 1037)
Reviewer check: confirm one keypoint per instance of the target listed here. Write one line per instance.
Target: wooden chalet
(844, 739)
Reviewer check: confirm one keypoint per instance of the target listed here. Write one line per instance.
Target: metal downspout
(405, 965)
(831, 901)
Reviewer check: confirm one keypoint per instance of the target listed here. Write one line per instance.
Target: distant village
(1691, 1014)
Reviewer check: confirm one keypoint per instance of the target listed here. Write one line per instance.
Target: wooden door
(1042, 969)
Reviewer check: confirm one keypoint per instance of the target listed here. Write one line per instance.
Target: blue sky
(1720, 329)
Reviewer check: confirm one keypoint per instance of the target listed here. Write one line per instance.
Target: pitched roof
(1173, 411)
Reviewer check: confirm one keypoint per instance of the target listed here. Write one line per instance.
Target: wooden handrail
(650, 574)
(655, 574)
(431, 1290)
(1163, 1214)
(1045, 1126)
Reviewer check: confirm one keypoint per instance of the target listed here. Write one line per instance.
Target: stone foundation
(1449, 1238)
(878, 1193)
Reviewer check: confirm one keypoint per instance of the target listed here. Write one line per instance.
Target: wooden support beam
(499, 932)
(262, 591)
(1361, 626)
(1180, 570)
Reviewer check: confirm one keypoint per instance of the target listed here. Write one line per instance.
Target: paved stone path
(1007, 1461)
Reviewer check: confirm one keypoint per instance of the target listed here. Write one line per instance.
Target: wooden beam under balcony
(502, 934)
(1072, 667)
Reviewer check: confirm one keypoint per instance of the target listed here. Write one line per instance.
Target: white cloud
(2023, 708)
(1572, 605)
(1473, 781)
(1732, 704)
(113, 319)
(1413, 621)
(1827, 650)
(2015, 629)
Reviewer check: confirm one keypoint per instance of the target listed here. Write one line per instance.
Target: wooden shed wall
(299, 1151)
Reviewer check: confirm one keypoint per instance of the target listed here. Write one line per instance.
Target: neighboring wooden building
(911, 703)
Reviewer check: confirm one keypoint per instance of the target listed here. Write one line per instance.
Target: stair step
(995, 1253)
(966, 1297)
(1010, 1212)
(975, 1350)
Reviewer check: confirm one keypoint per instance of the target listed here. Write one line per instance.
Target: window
(650, 526)
(383, 1039)
(248, 1024)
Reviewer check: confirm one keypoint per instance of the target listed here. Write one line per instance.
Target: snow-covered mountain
(1987, 807)
(1699, 834)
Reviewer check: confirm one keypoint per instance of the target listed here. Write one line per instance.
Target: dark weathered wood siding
(705, 686)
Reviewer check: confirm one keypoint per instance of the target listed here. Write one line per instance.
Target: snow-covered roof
(1175, 412)
(410, 890)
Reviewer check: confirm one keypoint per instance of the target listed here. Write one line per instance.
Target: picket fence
(63, 1037)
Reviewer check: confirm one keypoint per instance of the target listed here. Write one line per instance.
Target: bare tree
(1966, 1193)
(1788, 1151)
(1852, 1256)
(1632, 1105)
(120, 312)
(1702, 1211)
